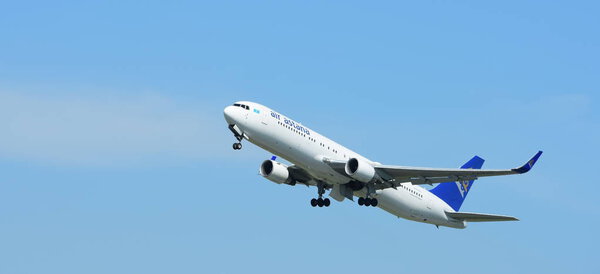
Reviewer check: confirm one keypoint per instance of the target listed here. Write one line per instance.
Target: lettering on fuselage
(290, 123)
(275, 115)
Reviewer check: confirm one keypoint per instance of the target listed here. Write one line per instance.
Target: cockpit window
(242, 106)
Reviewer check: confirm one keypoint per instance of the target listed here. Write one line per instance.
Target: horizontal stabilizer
(479, 217)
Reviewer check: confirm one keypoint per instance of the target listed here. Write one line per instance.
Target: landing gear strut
(238, 136)
(320, 202)
(368, 201)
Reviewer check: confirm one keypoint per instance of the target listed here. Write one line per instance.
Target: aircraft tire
(361, 201)
(367, 202)
(374, 202)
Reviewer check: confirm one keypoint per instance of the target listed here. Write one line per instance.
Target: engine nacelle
(360, 170)
(275, 172)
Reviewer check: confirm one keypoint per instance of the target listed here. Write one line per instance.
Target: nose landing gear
(239, 136)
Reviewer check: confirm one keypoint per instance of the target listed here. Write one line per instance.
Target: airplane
(319, 161)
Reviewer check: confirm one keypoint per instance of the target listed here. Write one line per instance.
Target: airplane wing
(300, 175)
(337, 165)
(421, 175)
(479, 217)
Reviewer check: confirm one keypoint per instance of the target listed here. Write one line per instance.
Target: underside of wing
(337, 165)
(479, 217)
(423, 175)
(338, 192)
(299, 175)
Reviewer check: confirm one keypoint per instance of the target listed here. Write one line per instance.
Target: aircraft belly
(396, 203)
(404, 205)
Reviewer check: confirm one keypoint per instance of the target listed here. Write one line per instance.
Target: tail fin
(454, 193)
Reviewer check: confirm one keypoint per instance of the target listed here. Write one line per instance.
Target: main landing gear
(367, 201)
(237, 146)
(320, 202)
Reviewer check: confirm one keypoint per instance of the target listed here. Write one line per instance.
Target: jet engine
(275, 172)
(360, 170)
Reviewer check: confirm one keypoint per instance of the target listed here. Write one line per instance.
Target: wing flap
(479, 217)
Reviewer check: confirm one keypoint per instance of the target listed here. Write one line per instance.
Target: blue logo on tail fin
(527, 166)
(454, 193)
(463, 187)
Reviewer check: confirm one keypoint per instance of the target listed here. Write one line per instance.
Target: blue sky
(115, 158)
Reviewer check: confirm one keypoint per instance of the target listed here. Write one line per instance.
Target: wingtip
(529, 165)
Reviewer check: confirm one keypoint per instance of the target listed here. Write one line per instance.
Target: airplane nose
(229, 113)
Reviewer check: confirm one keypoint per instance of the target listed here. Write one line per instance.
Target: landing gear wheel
(367, 201)
(361, 201)
(237, 146)
(374, 202)
(313, 202)
(326, 202)
(320, 202)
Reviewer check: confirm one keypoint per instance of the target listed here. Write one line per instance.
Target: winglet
(527, 166)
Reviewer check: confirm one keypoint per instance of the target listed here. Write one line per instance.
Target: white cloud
(104, 130)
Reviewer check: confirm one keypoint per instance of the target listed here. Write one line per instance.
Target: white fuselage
(307, 149)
